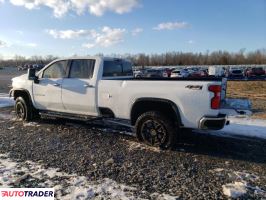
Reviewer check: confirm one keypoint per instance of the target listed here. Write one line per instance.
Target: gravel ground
(197, 168)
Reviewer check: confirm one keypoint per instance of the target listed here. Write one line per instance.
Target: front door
(47, 93)
(78, 90)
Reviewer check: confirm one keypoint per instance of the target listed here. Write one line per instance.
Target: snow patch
(216, 170)
(140, 146)
(67, 186)
(246, 176)
(158, 196)
(243, 127)
(234, 190)
(243, 182)
(6, 101)
(11, 128)
(33, 124)
(248, 121)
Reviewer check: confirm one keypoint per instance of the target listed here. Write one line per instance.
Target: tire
(23, 109)
(155, 129)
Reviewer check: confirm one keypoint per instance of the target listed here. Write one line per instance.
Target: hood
(20, 78)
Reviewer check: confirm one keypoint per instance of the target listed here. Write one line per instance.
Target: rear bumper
(212, 123)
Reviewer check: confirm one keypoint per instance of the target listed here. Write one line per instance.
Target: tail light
(215, 101)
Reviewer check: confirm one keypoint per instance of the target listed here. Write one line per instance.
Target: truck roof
(90, 57)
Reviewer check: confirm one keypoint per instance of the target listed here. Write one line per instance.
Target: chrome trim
(11, 93)
(204, 119)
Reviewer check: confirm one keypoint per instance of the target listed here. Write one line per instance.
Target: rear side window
(117, 68)
(56, 70)
(82, 68)
(127, 69)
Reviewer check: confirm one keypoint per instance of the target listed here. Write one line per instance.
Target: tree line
(213, 58)
(165, 59)
(18, 60)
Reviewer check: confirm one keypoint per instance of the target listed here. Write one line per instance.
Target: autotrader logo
(27, 193)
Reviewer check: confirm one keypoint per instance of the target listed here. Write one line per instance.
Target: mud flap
(234, 107)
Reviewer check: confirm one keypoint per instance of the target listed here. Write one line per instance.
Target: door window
(56, 70)
(82, 69)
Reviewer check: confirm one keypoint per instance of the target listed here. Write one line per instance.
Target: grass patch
(253, 90)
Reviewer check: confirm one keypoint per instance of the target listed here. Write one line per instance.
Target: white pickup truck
(89, 88)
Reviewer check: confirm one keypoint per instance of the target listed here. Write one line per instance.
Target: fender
(160, 100)
(12, 93)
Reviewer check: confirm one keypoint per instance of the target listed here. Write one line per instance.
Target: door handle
(56, 84)
(88, 86)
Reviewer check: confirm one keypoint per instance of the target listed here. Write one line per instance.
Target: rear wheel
(155, 129)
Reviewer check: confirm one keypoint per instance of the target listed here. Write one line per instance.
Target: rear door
(78, 90)
(47, 93)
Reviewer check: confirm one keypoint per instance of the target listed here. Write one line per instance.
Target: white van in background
(216, 71)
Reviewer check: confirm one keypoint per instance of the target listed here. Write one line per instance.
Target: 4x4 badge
(194, 87)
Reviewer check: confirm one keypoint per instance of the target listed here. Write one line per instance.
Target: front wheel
(155, 129)
(23, 110)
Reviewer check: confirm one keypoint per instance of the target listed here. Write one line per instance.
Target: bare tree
(165, 59)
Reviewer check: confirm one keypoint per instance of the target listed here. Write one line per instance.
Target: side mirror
(32, 75)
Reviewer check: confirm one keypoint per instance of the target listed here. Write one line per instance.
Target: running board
(51, 114)
(120, 122)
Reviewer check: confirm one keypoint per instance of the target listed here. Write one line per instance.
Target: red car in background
(255, 71)
(200, 73)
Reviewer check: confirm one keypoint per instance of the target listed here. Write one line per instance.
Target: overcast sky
(67, 27)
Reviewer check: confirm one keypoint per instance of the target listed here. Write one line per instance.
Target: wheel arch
(21, 93)
(165, 106)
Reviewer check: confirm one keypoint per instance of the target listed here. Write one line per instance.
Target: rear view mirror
(32, 75)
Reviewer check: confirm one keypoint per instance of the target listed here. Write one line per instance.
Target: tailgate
(233, 106)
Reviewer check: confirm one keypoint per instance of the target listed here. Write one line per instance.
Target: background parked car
(235, 73)
(155, 73)
(191, 70)
(21, 68)
(165, 73)
(138, 73)
(199, 73)
(38, 66)
(179, 73)
(255, 71)
(169, 71)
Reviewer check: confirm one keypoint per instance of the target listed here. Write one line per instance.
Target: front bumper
(11, 93)
(213, 123)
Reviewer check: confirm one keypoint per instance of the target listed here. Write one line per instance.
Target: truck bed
(166, 79)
